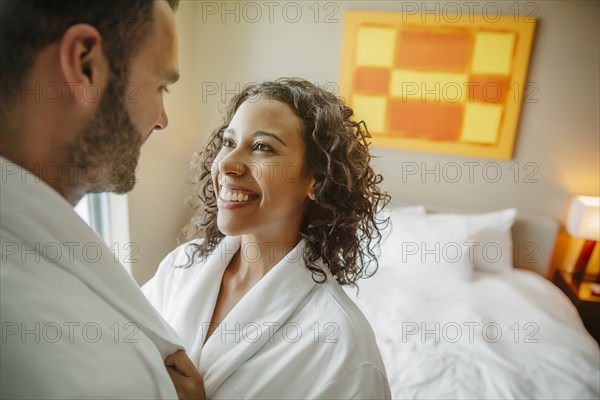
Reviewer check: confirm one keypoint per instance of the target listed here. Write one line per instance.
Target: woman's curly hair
(340, 227)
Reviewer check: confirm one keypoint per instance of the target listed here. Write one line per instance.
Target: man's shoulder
(59, 336)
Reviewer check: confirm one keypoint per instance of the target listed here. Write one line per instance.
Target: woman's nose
(232, 166)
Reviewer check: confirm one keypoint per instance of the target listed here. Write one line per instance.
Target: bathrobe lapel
(199, 297)
(259, 314)
(50, 220)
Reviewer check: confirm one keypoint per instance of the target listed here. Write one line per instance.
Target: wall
(225, 45)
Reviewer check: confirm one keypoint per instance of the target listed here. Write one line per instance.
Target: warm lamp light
(584, 222)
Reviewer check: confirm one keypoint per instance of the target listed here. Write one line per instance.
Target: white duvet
(509, 335)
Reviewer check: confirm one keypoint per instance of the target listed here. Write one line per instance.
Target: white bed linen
(544, 350)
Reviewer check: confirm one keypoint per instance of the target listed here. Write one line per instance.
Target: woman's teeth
(232, 196)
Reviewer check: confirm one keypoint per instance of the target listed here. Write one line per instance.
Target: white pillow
(412, 210)
(420, 247)
(391, 212)
(491, 233)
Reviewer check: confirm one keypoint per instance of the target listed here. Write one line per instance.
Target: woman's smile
(233, 196)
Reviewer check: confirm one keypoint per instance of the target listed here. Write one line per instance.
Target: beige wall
(558, 137)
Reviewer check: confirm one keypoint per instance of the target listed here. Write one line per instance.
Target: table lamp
(584, 222)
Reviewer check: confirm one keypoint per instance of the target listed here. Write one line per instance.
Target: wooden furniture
(586, 302)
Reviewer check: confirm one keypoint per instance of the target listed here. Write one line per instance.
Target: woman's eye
(260, 146)
(164, 89)
(228, 143)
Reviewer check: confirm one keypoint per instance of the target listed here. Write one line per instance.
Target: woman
(289, 202)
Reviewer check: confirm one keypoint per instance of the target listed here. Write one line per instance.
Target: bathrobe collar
(259, 314)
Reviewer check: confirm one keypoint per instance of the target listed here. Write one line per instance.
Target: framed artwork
(437, 85)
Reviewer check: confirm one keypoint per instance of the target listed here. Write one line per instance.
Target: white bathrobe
(288, 337)
(74, 323)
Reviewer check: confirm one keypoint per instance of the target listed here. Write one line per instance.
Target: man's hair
(28, 26)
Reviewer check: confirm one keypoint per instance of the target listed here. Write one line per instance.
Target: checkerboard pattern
(449, 84)
(452, 83)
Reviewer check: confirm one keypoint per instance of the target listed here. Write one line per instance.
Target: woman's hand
(188, 382)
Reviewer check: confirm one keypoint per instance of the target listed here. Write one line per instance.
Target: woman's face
(258, 174)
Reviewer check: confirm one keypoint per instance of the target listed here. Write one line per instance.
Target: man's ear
(83, 64)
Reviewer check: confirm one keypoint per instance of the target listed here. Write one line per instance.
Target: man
(82, 89)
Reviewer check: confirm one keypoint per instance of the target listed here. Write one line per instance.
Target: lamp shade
(584, 217)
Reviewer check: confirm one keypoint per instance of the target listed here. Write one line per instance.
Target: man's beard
(105, 153)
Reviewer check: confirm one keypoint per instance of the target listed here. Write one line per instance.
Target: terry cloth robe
(74, 323)
(288, 337)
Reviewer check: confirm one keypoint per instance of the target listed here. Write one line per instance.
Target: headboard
(534, 237)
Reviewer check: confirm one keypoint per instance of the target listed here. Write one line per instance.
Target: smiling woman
(289, 201)
(309, 138)
(263, 139)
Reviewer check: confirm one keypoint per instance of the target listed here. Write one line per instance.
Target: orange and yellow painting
(444, 87)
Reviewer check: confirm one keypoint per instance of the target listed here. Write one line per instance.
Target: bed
(489, 327)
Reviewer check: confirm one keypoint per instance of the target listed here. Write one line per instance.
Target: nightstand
(586, 302)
